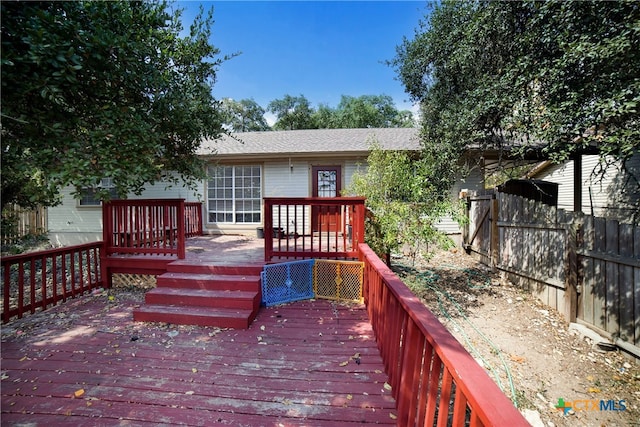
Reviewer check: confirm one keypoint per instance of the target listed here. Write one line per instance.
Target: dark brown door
(326, 183)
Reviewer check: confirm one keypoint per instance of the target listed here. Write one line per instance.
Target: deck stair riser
(208, 281)
(204, 295)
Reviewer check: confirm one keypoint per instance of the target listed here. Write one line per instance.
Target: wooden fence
(585, 267)
(18, 222)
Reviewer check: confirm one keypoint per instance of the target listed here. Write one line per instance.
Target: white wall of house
(287, 177)
(473, 182)
(72, 224)
(612, 195)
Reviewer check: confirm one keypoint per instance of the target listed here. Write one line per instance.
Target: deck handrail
(36, 280)
(147, 226)
(433, 378)
(291, 217)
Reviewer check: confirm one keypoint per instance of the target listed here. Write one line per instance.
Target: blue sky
(319, 49)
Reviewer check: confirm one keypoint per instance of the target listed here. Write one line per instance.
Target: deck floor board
(86, 362)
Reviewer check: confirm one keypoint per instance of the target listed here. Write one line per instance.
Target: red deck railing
(149, 227)
(313, 227)
(434, 380)
(36, 280)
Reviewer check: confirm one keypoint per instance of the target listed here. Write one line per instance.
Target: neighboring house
(614, 194)
(244, 169)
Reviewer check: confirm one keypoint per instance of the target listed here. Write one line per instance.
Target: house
(613, 195)
(244, 168)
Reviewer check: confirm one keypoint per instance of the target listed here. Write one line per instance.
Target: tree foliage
(405, 205)
(293, 112)
(366, 111)
(376, 111)
(102, 89)
(244, 115)
(556, 77)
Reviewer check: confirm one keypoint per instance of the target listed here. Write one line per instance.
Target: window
(89, 194)
(234, 194)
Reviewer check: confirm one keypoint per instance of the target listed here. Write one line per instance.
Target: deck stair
(204, 295)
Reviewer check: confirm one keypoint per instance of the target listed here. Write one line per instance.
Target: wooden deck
(86, 362)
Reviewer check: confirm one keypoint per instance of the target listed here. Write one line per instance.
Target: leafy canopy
(102, 89)
(375, 111)
(405, 206)
(243, 116)
(557, 78)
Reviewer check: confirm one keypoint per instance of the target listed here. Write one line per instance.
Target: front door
(326, 183)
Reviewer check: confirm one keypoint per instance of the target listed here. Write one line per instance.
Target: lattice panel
(140, 281)
(286, 282)
(338, 280)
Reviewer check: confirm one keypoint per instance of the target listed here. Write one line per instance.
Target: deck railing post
(107, 242)
(268, 229)
(181, 232)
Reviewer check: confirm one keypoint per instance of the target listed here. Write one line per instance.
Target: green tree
(557, 78)
(244, 115)
(370, 111)
(292, 112)
(102, 89)
(325, 117)
(404, 204)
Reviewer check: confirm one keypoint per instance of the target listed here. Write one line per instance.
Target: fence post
(494, 234)
(573, 229)
(465, 227)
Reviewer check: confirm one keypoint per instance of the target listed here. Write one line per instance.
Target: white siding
(473, 182)
(611, 195)
(350, 168)
(287, 179)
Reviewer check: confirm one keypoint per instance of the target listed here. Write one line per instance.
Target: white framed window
(234, 194)
(89, 198)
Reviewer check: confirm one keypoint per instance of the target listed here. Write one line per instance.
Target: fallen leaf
(78, 392)
(393, 416)
(345, 363)
(349, 396)
(518, 359)
(593, 390)
(190, 392)
(194, 370)
(355, 356)
(387, 386)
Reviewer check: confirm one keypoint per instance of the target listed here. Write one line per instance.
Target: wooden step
(203, 298)
(200, 316)
(204, 294)
(183, 266)
(209, 281)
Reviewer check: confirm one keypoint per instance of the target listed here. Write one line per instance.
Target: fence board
(626, 284)
(599, 288)
(611, 272)
(588, 310)
(636, 283)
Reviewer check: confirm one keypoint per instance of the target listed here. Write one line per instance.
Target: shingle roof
(312, 142)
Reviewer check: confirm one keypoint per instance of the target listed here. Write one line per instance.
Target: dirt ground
(529, 350)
